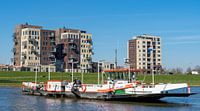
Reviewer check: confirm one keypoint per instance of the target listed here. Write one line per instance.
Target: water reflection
(12, 100)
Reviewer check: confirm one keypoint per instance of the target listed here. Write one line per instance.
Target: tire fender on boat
(83, 88)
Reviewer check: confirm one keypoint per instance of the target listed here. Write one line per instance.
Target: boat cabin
(124, 74)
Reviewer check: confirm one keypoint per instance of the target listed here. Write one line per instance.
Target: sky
(112, 23)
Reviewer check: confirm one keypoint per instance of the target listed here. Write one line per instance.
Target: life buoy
(83, 88)
(137, 82)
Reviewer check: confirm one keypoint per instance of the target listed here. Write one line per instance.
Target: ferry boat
(120, 85)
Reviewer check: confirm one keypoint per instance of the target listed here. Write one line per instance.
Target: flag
(150, 49)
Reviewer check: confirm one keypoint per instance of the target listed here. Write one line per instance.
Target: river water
(11, 99)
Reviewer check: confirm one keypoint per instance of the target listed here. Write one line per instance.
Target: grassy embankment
(16, 78)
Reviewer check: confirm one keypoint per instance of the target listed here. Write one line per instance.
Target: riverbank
(11, 78)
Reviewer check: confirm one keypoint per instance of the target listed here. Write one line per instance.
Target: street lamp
(127, 62)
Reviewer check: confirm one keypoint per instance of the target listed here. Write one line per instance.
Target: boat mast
(151, 52)
(35, 75)
(98, 72)
(49, 77)
(116, 58)
(81, 74)
(128, 63)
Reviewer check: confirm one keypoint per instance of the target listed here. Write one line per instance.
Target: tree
(189, 70)
(177, 70)
(197, 68)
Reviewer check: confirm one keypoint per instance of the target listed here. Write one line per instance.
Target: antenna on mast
(115, 58)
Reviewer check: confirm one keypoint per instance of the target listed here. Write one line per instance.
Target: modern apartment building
(70, 39)
(26, 42)
(48, 51)
(48, 47)
(26, 46)
(63, 48)
(144, 52)
(76, 47)
(86, 52)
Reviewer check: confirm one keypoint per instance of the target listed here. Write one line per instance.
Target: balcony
(23, 53)
(33, 48)
(24, 57)
(64, 51)
(31, 39)
(52, 61)
(52, 42)
(14, 50)
(73, 61)
(14, 37)
(71, 41)
(90, 42)
(89, 59)
(52, 35)
(16, 42)
(53, 50)
(72, 57)
(25, 47)
(51, 56)
(73, 47)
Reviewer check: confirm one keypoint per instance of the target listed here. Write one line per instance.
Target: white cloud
(180, 40)
(183, 38)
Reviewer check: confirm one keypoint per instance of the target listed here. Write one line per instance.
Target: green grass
(12, 78)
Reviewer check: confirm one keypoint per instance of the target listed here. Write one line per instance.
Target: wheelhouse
(121, 74)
